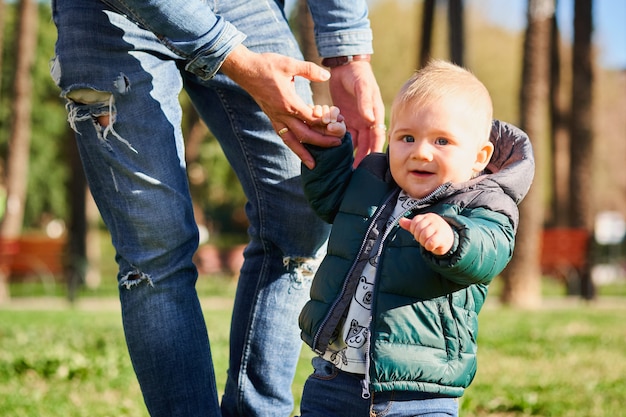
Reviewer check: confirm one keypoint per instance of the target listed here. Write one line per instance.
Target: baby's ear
(483, 156)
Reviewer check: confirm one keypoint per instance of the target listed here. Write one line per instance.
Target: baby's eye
(408, 139)
(441, 141)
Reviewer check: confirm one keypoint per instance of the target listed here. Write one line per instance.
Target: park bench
(33, 255)
(564, 255)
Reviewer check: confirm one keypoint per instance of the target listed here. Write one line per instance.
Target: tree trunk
(523, 276)
(455, 30)
(195, 133)
(560, 138)
(2, 179)
(581, 130)
(428, 17)
(19, 141)
(3, 11)
(75, 267)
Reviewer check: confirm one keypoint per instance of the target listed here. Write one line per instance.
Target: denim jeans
(106, 65)
(329, 392)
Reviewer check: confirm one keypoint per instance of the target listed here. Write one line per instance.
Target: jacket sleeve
(485, 246)
(203, 42)
(325, 185)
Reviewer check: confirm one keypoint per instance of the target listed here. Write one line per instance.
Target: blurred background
(557, 69)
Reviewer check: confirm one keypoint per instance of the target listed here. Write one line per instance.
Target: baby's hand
(431, 231)
(331, 121)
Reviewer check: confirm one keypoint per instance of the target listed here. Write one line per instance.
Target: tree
(456, 34)
(2, 189)
(428, 17)
(456, 31)
(581, 130)
(76, 264)
(522, 278)
(560, 136)
(2, 20)
(19, 142)
(47, 195)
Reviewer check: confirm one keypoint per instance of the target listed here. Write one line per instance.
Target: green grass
(562, 361)
(65, 363)
(565, 360)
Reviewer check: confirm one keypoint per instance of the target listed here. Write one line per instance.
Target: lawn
(567, 359)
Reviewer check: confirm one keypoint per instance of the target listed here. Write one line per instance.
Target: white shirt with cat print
(349, 351)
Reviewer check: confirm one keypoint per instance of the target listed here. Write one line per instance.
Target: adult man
(121, 66)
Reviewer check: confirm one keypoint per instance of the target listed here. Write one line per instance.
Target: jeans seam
(383, 412)
(243, 367)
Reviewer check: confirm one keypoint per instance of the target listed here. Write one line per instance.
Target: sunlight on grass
(566, 361)
(558, 362)
(72, 362)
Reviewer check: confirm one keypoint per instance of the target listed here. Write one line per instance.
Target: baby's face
(436, 143)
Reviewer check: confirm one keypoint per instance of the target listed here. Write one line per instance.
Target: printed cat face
(356, 336)
(363, 294)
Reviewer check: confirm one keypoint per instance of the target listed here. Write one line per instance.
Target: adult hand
(269, 79)
(355, 91)
(431, 231)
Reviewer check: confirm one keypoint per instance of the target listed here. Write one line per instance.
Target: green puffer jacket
(424, 307)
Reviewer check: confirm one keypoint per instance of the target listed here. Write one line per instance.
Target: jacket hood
(506, 179)
(512, 165)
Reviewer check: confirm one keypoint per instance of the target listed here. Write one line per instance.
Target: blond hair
(439, 79)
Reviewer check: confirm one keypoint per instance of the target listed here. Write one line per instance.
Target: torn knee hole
(89, 96)
(92, 96)
(103, 120)
(99, 106)
(134, 278)
(301, 269)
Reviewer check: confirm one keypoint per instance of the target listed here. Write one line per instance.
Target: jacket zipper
(365, 382)
(321, 349)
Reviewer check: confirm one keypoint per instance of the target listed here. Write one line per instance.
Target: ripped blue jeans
(122, 88)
